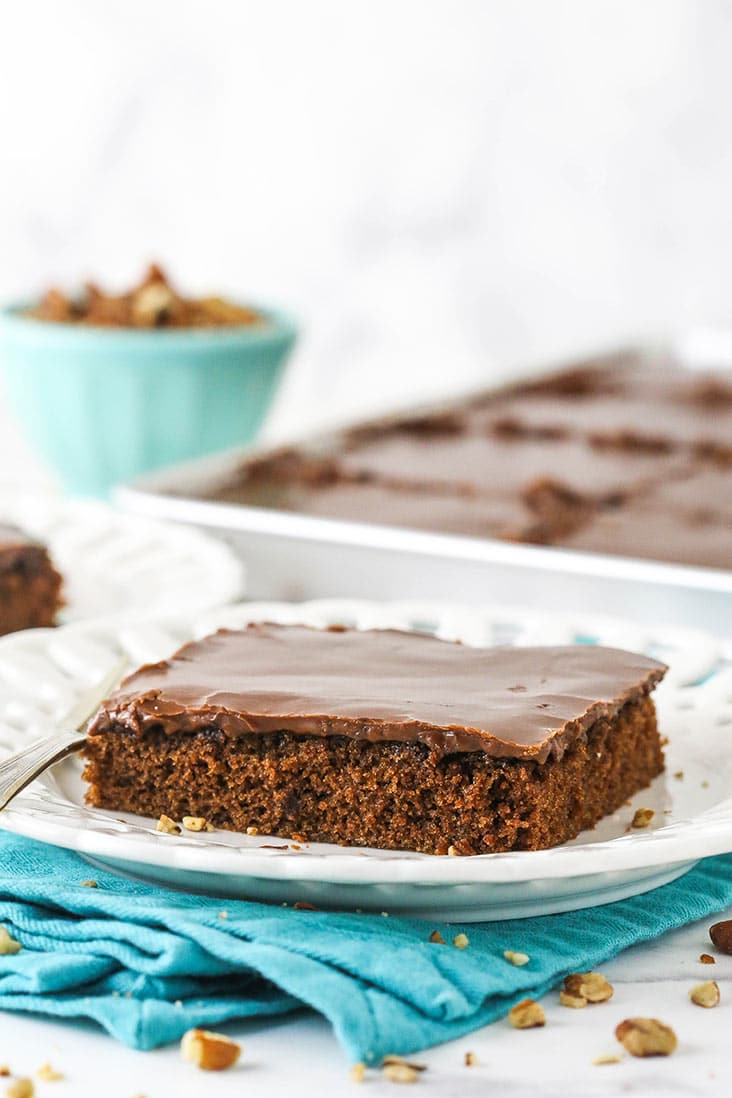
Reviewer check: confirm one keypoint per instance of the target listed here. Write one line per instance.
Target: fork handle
(20, 769)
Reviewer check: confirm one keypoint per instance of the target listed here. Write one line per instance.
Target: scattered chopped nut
(252, 830)
(223, 914)
(167, 826)
(470, 1059)
(706, 994)
(90, 884)
(48, 1074)
(720, 933)
(400, 1073)
(20, 1088)
(679, 775)
(646, 1037)
(642, 817)
(461, 941)
(526, 1015)
(303, 905)
(574, 1001)
(398, 1070)
(515, 958)
(591, 986)
(707, 959)
(8, 945)
(209, 826)
(606, 1058)
(194, 823)
(391, 1058)
(209, 1051)
(358, 1073)
(437, 938)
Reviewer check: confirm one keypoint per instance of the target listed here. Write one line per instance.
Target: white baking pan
(294, 556)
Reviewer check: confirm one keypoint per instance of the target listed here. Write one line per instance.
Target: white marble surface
(299, 1056)
(438, 188)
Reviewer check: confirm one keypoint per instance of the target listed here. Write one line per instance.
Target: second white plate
(45, 672)
(116, 563)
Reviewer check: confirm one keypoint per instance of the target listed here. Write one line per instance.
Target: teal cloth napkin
(147, 963)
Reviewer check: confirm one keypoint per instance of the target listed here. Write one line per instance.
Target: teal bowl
(103, 405)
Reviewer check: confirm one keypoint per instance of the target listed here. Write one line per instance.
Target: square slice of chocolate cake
(30, 586)
(383, 739)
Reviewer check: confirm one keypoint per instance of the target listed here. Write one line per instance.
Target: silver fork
(20, 769)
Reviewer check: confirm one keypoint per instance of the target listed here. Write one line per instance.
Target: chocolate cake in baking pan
(626, 458)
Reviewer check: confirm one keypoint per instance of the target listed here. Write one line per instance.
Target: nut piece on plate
(461, 941)
(706, 994)
(646, 1037)
(590, 986)
(167, 826)
(527, 1014)
(209, 1051)
(8, 945)
(194, 823)
(721, 935)
(574, 1001)
(706, 959)
(643, 817)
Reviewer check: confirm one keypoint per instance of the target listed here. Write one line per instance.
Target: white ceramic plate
(115, 563)
(44, 672)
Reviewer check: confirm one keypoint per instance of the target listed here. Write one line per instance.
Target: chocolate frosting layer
(526, 703)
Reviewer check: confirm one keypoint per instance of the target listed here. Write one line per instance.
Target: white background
(438, 189)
